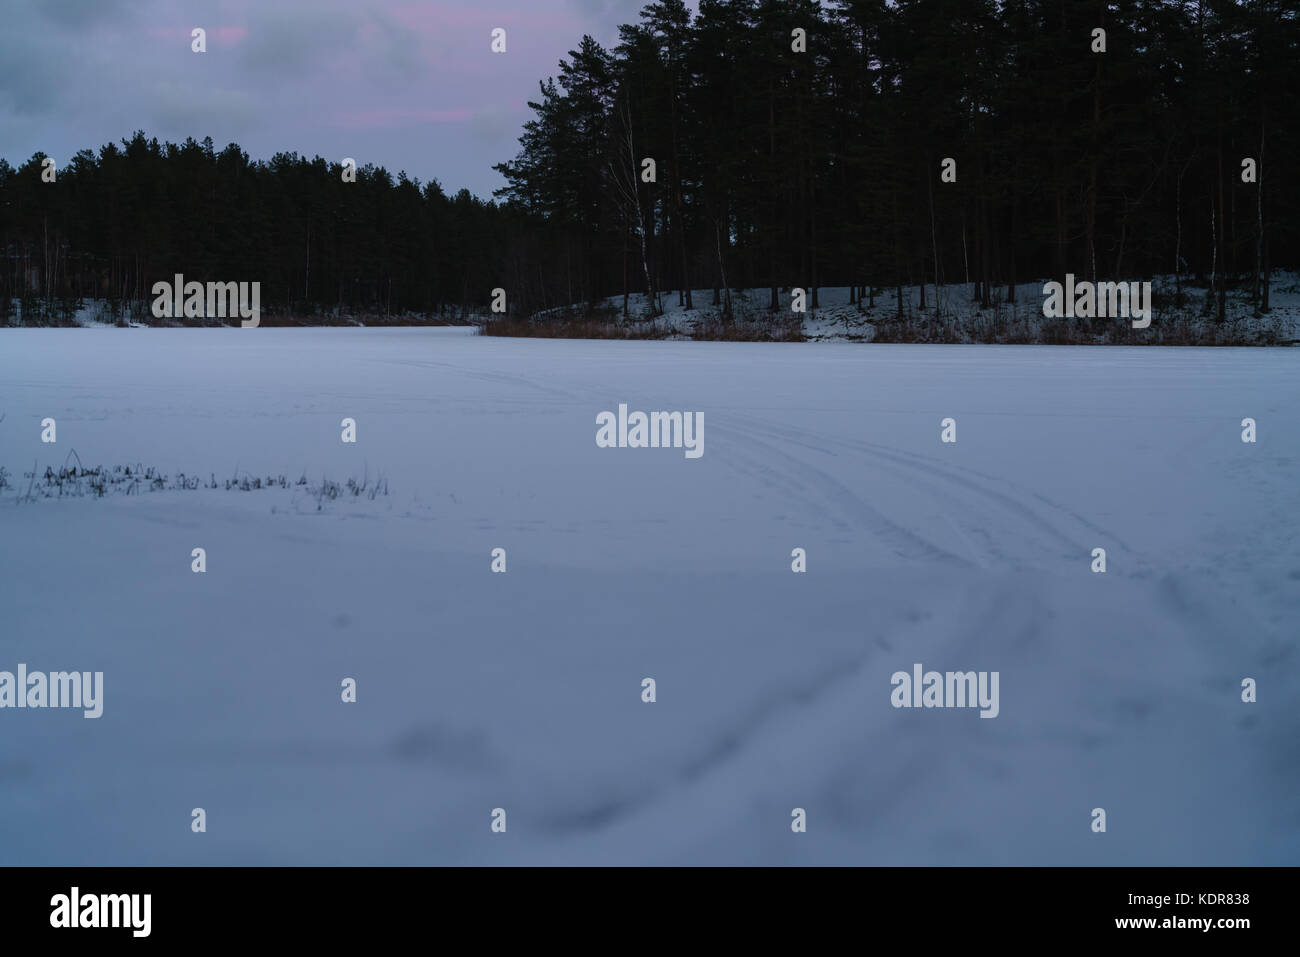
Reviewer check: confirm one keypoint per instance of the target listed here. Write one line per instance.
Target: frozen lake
(523, 691)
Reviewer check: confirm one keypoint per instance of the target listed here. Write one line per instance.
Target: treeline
(815, 158)
(112, 224)
(759, 145)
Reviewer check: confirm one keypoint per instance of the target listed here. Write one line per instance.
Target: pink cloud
(373, 119)
(440, 18)
(223, 36)
(464, 34)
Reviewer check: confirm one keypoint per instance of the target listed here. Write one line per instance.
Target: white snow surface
(522, 690)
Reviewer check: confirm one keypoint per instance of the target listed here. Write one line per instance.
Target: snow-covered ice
(523, 690)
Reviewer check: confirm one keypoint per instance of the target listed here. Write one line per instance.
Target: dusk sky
(405, 85)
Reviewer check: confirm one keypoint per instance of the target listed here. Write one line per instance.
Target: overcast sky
(406, 84)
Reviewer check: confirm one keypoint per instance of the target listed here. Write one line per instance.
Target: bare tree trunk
(1011, 247)
(1259, 222)
(629, 195)
(717, 284)
(898, 258)
(985, 242)
(1264, 307)
(1222, 250)
(722, 270)
(771, 160)
(1060, 233)
(1214, 253)
(934, 242)
(1178, 240)
(965, 257)
(1092, 168)
(812, 239)
(720, 277)
(677, 203)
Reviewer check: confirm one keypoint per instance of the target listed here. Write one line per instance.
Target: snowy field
(522, 690)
